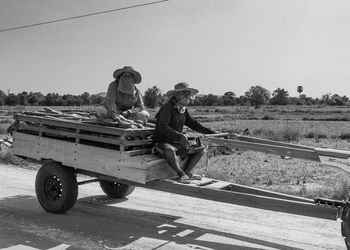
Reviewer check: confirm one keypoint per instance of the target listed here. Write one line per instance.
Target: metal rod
(88, 181)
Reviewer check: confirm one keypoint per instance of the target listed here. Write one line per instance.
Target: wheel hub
(53, 188)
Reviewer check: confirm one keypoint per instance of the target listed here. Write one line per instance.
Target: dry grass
(296, 177)
(270, 172)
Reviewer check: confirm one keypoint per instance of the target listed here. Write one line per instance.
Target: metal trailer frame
(132, 164)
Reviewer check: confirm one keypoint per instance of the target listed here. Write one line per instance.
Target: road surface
(149, 220)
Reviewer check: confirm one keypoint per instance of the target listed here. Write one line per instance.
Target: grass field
(316, 126)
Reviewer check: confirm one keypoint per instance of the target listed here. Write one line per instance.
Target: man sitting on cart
(169, 140)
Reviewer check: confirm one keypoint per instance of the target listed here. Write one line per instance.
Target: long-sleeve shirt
(170, 123)
(116, 101)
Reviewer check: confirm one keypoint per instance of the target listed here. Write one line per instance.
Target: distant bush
(344, 136)
(313, 134)
(263, 132)
(3, 128)
(287, 134)
(7, 120)
(267, 117)
(343, 118)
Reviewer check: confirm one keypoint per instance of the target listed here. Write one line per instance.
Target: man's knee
(196, 151)
(142, 116)
(145, 114)
(169, 152)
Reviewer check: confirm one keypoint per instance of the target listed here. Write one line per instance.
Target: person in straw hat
(123, 100)
(169, 140)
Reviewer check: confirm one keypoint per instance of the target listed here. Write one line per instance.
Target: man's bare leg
(170, 156)
(193, 160)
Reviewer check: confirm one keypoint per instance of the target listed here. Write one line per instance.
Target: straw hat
(182, 86)
(128, 69)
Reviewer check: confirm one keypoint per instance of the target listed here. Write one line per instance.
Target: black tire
(115, 189)
(347, 243)
(345, 224)
(56, 188)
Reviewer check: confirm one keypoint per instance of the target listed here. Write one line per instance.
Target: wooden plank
(300, 153)
(257, 191)
(100, 160)
(86, 126)
(336, 153)
(107, 162)
(72, 135)
(242, 199)
(77, 136)
(139, 152)
(271, 142)
(218, 185)
(138, 142)
(77, 139)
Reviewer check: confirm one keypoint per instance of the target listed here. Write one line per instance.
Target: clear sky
(214, 45)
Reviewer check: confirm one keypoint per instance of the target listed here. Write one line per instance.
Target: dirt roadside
(149, 220)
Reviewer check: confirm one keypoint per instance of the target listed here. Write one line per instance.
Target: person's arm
(196, 126)
(110, 100)
(164, 117)
(139, 105)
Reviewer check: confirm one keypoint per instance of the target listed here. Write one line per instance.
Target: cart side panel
(99, 160)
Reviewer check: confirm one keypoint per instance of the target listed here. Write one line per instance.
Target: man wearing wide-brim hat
(169, 140)
(123, 100)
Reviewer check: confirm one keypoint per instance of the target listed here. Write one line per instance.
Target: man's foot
(184, 179)
(195, 177)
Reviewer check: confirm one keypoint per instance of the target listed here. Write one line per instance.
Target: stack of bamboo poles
(83, 127)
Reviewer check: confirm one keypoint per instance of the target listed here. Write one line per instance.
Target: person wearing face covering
(123, 100)
(169, 140)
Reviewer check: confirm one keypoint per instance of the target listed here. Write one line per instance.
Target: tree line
(256, 96)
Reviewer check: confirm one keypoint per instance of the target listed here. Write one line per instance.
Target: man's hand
(184, 140)
(116, 118)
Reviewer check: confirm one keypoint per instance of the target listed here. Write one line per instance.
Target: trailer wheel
(56, 188)
(115, 189)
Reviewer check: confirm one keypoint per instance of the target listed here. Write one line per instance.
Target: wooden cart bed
(122, 153)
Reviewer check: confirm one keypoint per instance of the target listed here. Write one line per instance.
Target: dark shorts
(162, 147)
(181, 151)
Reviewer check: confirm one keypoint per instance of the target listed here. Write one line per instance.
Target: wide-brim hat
(182, 86)
(127, 69)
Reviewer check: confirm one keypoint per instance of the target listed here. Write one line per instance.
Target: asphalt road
(149, 220)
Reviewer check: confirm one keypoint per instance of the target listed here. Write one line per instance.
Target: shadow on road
(93, 224)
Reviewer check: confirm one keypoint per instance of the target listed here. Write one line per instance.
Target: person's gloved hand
(125, 113)
(116, 117)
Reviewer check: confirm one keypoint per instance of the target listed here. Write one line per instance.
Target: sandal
(196, 177)
(184, 179)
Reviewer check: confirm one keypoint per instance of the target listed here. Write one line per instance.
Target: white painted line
(144, 243)
(236, 243)
(185, 232)
(166, 225)
(19, 247)
(60, 247)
